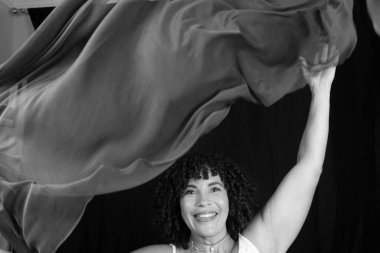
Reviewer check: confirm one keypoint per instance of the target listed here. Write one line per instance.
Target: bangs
(203, 172)
(200, 171)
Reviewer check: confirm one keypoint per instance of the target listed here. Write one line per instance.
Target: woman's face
(204, 208)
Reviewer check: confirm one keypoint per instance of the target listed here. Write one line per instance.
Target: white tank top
(245, 246)
(174, 248)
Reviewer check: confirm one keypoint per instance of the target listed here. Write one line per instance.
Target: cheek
(182, 206)
(185, 206)
(224, 202)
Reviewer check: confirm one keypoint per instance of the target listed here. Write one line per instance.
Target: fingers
(332, 51)
(316, 59)
(302, 61)
(323, 59)
(335, 60)
(325, 53)
(305, 72)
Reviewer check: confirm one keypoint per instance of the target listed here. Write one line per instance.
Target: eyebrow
(215, 183)
(210, 184)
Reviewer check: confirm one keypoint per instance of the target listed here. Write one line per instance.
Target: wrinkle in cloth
(104, 97)
(373, 7)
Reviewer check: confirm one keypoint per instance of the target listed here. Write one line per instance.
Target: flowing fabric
(104, 97)
(373, 7)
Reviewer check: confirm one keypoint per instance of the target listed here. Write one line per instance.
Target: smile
(205, 216)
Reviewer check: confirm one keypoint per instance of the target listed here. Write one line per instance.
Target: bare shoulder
(158, 248)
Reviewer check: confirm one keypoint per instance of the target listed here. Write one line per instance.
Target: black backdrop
(345, 214)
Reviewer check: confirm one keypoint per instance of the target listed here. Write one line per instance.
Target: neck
(204, 246)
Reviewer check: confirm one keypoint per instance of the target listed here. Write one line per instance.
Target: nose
(203, 200)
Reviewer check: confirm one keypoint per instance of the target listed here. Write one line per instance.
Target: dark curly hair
(196, 166)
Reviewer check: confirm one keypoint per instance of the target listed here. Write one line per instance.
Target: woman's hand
(320, 74)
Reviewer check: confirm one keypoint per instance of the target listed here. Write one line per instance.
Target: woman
(210, 210)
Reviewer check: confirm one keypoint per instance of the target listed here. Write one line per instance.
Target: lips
(206, 216)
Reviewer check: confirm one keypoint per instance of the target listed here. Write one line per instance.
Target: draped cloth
(104, 97)
(373, 7)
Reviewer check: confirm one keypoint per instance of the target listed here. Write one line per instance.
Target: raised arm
(279, 222)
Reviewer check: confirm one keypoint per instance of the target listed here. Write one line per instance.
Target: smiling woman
(214, 198)
(202, 204)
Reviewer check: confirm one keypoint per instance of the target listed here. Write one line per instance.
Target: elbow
(315, 166)
(312, 159)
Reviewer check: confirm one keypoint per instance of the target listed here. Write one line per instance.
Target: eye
(215, 189)
(189, 192)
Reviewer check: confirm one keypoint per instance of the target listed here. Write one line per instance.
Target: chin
(208, 232)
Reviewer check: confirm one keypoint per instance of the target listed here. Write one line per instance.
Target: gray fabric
(104, 97)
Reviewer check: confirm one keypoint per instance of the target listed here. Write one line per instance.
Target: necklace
(212, 246)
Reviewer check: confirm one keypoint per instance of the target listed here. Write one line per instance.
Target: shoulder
(158, 248)
(246, 245)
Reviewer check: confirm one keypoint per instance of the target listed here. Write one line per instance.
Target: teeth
(206, 215)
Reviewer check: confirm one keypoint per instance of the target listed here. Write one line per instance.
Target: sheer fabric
(15, 29)
(104, 97)
(373, 7)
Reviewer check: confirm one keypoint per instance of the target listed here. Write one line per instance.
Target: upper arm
(154, 249)
(277, 225)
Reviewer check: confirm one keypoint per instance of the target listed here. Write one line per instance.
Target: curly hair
(173, 182)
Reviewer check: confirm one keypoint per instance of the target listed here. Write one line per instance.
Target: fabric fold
(373, 7)
(104, 97)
